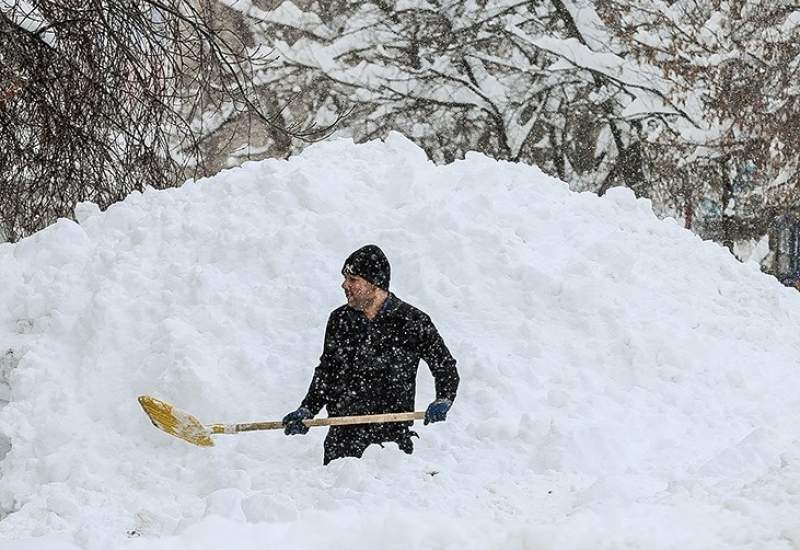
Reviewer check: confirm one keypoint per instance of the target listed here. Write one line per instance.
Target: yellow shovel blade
(176, 422)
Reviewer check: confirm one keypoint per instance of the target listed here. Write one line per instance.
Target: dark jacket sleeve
(443, 367)
(322, 383)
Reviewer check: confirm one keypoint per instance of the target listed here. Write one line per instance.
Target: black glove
(437, 411)
(293, 422)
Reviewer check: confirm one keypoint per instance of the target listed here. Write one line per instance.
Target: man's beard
(359, 303)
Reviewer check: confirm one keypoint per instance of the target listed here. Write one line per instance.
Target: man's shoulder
(341, 311)
(411, 313)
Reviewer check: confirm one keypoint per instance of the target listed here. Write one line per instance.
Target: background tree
(456, 77)
(733, 67)
(98, 99)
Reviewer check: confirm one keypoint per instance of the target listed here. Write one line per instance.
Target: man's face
(359, 291)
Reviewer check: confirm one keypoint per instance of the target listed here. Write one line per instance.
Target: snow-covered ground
(624, 384)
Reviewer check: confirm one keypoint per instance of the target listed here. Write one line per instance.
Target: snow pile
(624, 384)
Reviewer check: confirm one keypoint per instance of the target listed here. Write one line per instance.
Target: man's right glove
(293, 422)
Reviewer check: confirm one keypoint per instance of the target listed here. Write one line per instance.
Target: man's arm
(436, 355)
(323, 380)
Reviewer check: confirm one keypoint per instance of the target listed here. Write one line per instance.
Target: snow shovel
(185, 426)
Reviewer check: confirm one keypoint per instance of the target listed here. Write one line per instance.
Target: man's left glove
(293, 422)
(437, 411)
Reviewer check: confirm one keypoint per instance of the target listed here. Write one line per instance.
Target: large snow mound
(624, 384)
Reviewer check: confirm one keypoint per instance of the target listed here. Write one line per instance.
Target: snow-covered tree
(490, 76)
(101, 98)
(732, 66)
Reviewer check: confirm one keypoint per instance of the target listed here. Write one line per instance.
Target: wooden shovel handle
(330, 421)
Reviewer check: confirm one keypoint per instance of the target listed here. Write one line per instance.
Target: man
(369, 362)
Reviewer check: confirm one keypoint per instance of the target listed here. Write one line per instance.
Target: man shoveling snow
(369, 363)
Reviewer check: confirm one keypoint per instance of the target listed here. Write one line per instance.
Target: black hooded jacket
(370, 366)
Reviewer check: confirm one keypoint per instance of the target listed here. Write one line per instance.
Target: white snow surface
(624, 384)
